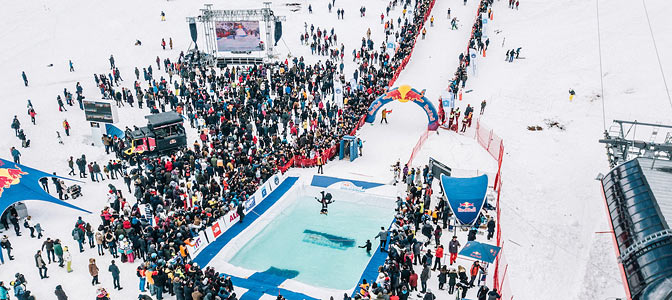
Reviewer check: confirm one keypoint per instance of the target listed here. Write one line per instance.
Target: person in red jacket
(413, 281)
(474, 272)
(437, 257)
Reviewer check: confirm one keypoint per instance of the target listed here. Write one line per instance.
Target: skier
(431, 21)
(66, 127)
(483, 106)
(325, 201)
(25, 79)
(310, 9)
(72, 68)
(170, 43)
(163, 16)
(448, 13)
(32, 113)
(453, 23)
(58, 137)
(111, 62)
(424, 32)
(163, 44)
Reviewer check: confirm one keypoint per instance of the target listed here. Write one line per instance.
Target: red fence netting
(418, 146)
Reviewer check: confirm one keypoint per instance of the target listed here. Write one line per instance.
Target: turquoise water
(322, 249)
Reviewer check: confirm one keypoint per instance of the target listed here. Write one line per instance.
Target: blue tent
(20, 183)
(480, 251)
(112, 130)
(465, 196)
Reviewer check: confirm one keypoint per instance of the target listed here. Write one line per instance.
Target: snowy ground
(552, 206)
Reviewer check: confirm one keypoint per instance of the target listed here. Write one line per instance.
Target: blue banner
(480, 251)
(465, 196)
(20, 183)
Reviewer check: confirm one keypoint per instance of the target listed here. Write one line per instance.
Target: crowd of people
(415, 239)
(252, 122)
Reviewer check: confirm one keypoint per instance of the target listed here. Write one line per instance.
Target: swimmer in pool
(325, 201)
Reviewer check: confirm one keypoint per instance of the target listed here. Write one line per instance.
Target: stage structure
(239, 26)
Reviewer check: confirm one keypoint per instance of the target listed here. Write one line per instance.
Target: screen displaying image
(238, 36)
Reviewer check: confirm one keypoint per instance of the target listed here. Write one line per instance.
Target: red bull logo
(9, 177)
(466, 207)
(404, 93)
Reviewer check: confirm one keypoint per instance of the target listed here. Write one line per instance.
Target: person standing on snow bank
(4, 291)
(384, 115)
(16, 125)
(60, 294)
(68, 259)
(41, 266)
(571, 94)
(5, 243)
(16, 155)
(115, 275)
(32, 114)
(66, 127)
(93, 270)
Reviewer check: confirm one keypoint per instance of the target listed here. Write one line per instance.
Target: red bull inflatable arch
(404, 94)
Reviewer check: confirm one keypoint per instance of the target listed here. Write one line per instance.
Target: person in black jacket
(160, 280)
(482, 292)
(60, 294)
(241, 211)
(491, 228)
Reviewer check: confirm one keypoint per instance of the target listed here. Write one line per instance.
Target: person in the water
(367, 246)
(325, 201)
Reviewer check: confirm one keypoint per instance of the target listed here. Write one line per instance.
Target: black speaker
(192, 30)
(278, 31)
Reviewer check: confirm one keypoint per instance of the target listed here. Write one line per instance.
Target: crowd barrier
(408, 57)
(494, 144)
(311, 162)
(211, 233)
(418, 146)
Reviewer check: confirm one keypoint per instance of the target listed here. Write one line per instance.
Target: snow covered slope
(552, 206)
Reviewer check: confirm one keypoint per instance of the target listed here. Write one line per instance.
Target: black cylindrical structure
(192, 30)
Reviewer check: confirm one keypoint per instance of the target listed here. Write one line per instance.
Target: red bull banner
(466, 196)
(20, 183)
(405, 94)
